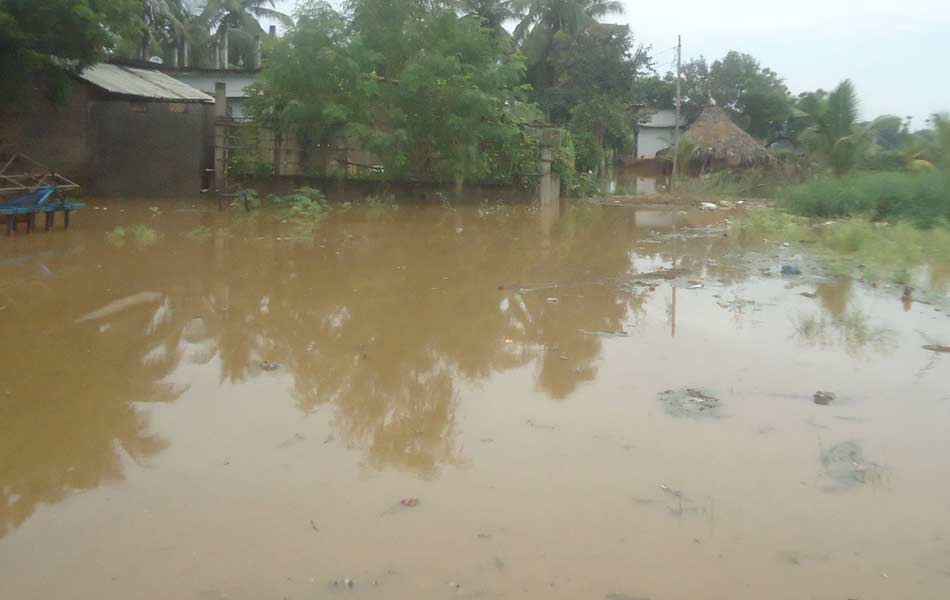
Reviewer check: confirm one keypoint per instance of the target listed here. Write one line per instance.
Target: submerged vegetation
(139, 235)
(875, 252)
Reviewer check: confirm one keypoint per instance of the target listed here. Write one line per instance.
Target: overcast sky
(897, 53)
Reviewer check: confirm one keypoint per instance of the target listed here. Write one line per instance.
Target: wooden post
(676, 125)
(220, 137)
(65, 219)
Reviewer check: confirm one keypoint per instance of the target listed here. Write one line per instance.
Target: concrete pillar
(220, 137)
(549, 184)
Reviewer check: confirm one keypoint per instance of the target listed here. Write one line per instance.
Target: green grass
(876, 252)
(922, 199)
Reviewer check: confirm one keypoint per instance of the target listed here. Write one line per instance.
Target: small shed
(656, 133)
(121, 131)
(714, 142)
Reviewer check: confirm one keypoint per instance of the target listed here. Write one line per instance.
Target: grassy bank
(875, 252)
(922, 199)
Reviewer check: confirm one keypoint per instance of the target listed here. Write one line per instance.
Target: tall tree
(543, 19)
(163, 23)
(495, 13)
(835, 136)
(53, 35)
(242, 16)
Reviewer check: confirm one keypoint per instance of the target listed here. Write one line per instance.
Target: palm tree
(494, 12)
(225, 16)
(542, 19)
(162, 22)
(835, 135)
(571, 16)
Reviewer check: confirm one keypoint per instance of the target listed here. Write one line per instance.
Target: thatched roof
(716, 140)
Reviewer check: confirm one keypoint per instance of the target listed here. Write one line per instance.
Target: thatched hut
(714, 142)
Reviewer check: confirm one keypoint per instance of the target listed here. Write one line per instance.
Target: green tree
(595, 90)
(835, 136)
(162, 25)
(447, 102)
(495, 13)
(755, 97)
(315, 77)
(53, 35)
(542, 20)
(239, 19)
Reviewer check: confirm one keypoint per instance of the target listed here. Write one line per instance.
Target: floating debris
(808, 295)
(618, 333)
(269, 366)
(791, 270)
(823, 398)
(409, 502)
(690, 402)
(845, 467)
(937, 348)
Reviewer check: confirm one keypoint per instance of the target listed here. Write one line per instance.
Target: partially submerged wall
(114, 145)
(53, 134)
(148, 148)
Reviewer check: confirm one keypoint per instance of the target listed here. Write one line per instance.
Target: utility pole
(676, 125)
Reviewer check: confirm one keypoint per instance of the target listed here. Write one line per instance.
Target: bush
(923, 199)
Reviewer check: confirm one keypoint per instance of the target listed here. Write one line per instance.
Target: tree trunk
(224, 46)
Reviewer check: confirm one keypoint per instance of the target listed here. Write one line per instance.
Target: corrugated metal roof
(143, 83)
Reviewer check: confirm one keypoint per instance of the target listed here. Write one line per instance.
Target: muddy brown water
(232, 406)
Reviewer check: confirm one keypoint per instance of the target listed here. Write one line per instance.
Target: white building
(235, 80)
(657, 133)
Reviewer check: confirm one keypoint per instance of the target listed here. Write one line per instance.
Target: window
(177, 107)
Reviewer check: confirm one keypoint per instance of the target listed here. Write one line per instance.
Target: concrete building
(236, 83)
(122, 131)
(656, 133)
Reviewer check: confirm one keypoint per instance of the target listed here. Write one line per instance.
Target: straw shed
(715, 142)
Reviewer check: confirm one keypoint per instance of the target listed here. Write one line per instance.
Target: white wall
(653, 139)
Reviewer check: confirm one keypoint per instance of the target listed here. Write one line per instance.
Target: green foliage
(835, 136)
(923, 199)
(313, 81)
(755, 97)
(304, 204)
(586, 80)
(141, 236)
(52, 35)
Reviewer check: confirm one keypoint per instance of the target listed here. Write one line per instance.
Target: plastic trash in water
(707, 206)
(791, 270)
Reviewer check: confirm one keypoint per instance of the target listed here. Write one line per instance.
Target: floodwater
(210, 405)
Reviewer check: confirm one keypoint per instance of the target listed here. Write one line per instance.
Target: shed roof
(144, 83)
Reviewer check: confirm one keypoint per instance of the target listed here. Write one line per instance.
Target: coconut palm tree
(561, 15)
(162, 23)
(225, 16)
(494, 12)
(835, 135)
(541, 20)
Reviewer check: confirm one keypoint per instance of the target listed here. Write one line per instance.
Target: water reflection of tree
(68, 413)
(377, 319)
